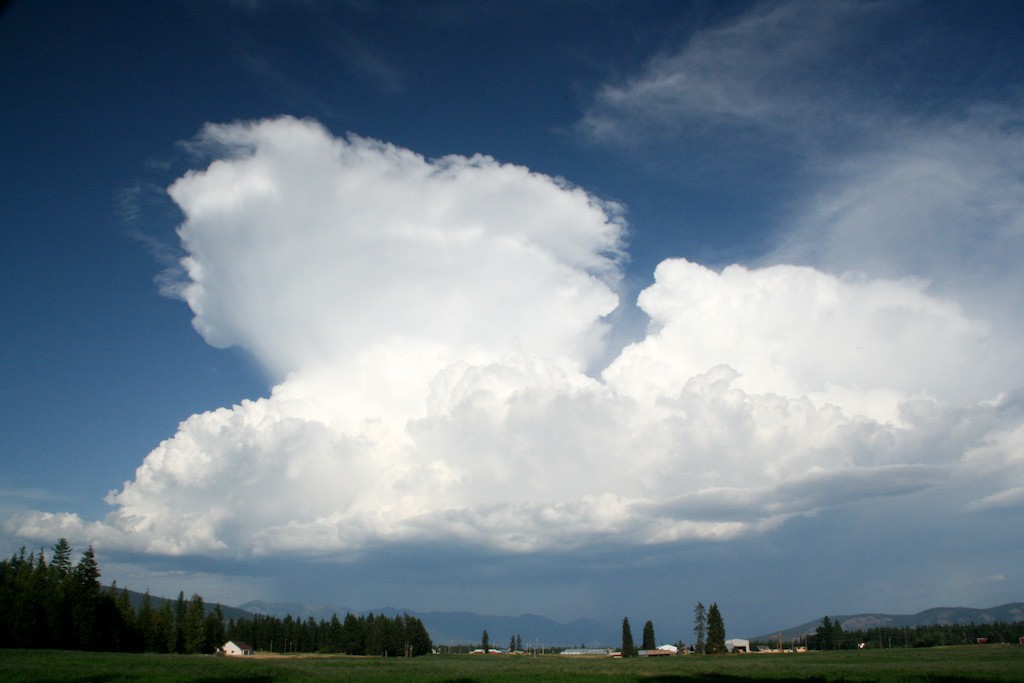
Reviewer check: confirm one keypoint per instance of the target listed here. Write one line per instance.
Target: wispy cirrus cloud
(778, 75)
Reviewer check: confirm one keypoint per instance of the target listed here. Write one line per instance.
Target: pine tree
(485, 642)
(823, 634)
(41, 586)
(60, 563)
(628, 648)
(335, 635)
(700, 627)
(716, 631)
(837, 634)
(648, 639)
(194, 628)
(180, 610)
(144, 622)
(22, 617)
(352, 635)
(119, 621)
(416, 637)
(829, 634)
(164, 629)
(85, 596)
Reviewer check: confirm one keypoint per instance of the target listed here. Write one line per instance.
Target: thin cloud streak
(770, 76)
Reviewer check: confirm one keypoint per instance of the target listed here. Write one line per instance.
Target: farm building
(237, 648)
(737, 645)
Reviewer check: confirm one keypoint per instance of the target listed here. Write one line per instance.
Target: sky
(580, 309)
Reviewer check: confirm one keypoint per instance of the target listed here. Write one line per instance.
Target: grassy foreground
(977, 664)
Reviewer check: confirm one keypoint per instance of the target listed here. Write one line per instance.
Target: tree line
(61, 605)
(829, 635)
(58, 604)
(377, 635)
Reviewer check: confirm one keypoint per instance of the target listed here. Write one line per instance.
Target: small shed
(236, 648)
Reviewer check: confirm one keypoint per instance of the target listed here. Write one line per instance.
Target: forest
(830, 635)
(60, 604)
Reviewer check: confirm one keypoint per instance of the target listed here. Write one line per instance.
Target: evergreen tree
(85, 596)
(519, 643)
(373, 644)
(828, 634)
(124, 605)
(353, 640)
(60, 563)
(485, 642)
(123, 634)
(57, 601)
(41, 583)
(335, 635)
(417, 640)
(628, 648)
(180, 610)
(164, 629)
(144, 621)
(22, 615)
(648, 639)
(700, 628)
(716, 631)
(194, 628)
(822, 634)
(837, 634)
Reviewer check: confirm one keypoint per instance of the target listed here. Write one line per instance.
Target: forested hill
(465, 627)
(229, 612)
(1007, 614)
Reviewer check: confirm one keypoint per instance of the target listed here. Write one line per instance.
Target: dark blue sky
(862, 162)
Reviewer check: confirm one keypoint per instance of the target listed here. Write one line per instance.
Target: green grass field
(977, 664)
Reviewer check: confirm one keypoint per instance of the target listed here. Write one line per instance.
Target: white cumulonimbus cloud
(430, 324)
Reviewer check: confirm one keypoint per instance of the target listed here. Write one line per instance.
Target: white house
(237, 648)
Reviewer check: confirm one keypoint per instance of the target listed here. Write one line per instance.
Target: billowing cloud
(864, 345)
(391, 247)
(430, 324)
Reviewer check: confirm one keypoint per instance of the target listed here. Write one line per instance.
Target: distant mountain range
(458, 628)
(228, 611)
(296, 609)
(1009, 613)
